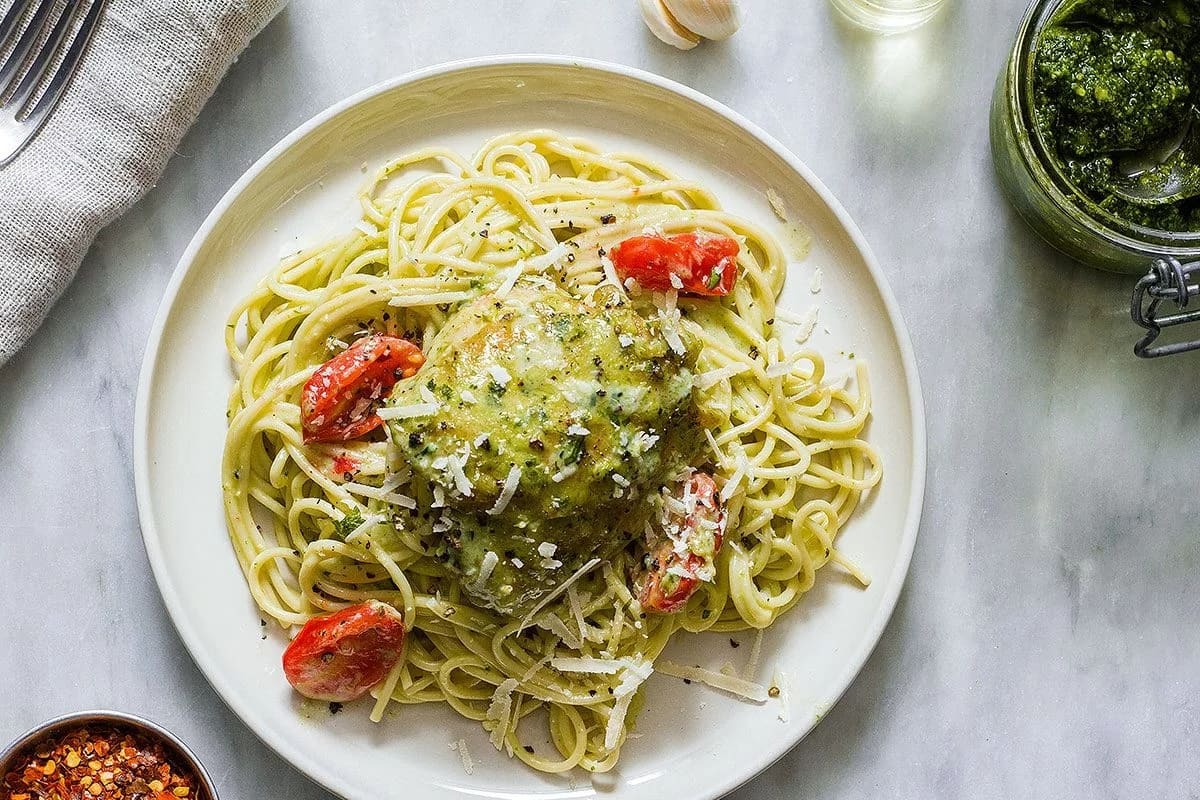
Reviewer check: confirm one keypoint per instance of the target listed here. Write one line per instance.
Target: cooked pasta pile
(438, 230)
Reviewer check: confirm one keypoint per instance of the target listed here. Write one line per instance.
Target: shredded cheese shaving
(632, 677)
(465, 755)
(499, 712)
(508, 491)
(490, 560)
(499, 374)
(732, 684)
(594, 666)
(562, 587)
(409, 412)
(706, 380)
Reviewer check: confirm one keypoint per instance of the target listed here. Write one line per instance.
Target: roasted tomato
(339, 400)
(673, 576)
(702, 263)
(340, 656)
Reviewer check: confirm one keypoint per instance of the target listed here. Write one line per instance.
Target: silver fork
(23, 111)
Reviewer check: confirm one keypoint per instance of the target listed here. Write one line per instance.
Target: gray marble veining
(1046, 644)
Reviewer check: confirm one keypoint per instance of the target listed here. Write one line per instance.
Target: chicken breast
(556, 424)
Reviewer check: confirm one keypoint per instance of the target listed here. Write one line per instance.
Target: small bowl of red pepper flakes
(101, 755)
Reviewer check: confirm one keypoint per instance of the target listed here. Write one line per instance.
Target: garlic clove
(665, 27)
(711, 19)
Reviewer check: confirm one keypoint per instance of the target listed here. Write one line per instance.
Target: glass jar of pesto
(1089, 82)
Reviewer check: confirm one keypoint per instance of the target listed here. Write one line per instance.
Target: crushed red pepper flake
(103, 762)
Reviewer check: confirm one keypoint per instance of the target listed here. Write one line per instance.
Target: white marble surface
(1046, 643)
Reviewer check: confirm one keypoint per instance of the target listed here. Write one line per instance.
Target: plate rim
(328, 778)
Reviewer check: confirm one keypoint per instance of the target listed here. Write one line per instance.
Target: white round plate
(691, 742)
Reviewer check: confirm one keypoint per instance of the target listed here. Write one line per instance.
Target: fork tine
(16, 59)
(44, 58)
(36, 115)
(11, 22)
(66, 68)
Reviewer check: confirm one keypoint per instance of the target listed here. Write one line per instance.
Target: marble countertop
(1046, 643)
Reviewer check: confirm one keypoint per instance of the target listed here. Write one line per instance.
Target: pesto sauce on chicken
(586, 406)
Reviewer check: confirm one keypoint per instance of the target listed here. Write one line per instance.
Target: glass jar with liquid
(889, 16)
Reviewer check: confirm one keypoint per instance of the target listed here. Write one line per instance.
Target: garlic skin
(710, 19)
(663, 24)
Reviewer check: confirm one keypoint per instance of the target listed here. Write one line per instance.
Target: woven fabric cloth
(147, 73)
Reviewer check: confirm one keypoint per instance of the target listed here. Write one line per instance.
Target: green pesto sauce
(1118, 76)
(587, 402)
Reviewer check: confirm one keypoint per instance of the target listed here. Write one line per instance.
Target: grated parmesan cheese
(780, 369)
(499, 374)
(518, 563)
(814, 285)
(510, 279)
(676, 281)
(506, 494)
(468, 396)
(776, 204)
(452, 466)
(642, 442)
(718, 680)
(610, 273)
(549, 258)
(577, 430)
(577, 612)
(633, 676)
(554, 624)
(385, 492)
(755, 653)
(546, 550)
(499, 712)
(409, 412)
(564, 473)
(741, 470)
(706, 380)
(562, 587)
(490, 560)
(806, 325)
(589, 665)
(625, 339)
(465, 755)
(673, 340)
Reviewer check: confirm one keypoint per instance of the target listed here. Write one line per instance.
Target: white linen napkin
(148, 71)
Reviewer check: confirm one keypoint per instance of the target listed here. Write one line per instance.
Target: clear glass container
(1035, 183)
(888, 16)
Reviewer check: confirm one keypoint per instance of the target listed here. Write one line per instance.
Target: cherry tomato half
(338, 402)
(339, 657)
(703, 263)
(664, 591)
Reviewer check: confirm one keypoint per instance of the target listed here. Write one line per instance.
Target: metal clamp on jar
(1035, 178)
